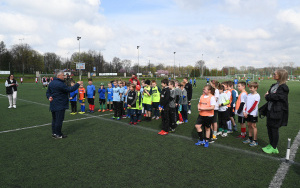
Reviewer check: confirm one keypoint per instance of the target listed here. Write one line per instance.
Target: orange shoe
(164, 133)
(111, 110)
(161, 132)
(103, 110)
(99, 110)
(107, 109)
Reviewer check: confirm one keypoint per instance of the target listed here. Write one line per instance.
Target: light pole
(174, 65)
(138, 48)
(22, 54)
(78, 38)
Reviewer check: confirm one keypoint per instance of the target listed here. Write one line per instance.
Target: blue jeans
(57, 121)
(132, 113)
(184, 112)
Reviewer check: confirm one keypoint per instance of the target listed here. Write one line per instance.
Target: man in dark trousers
(57, 94)
(189, 89)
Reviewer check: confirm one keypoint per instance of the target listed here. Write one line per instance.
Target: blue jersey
(109, 93)
(90, 91)
(236, 81)
(74, 95)
(101, 93)
(122, 91)
(116, 94)
(191, 81)
(194, 80)
(207, 79)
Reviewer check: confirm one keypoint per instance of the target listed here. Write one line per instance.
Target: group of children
(218, 106)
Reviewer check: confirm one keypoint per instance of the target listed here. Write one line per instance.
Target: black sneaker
(211, 141)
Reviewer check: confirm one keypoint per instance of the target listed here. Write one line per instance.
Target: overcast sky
(227, 32)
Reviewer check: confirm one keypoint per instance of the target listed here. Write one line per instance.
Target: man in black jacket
(189, 89)
(11, 90)
(57, 94)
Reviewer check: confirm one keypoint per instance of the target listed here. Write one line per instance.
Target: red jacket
(131, 80)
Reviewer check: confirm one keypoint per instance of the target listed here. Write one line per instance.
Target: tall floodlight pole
(78, 38)
(174, 65)
(138, 48)
(22, 54)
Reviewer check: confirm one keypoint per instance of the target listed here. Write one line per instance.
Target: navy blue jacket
(59, 91)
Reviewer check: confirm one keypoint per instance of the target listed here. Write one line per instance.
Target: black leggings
(273, 133)
(74, 106)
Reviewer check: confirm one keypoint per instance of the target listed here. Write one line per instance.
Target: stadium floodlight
(174, 65)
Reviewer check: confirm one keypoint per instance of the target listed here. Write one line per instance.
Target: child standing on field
(109, 91)
(147, 100)
(223, 115)
(172, 107)
(73, 100)
(90, 92)
(251, 113)
(184, 103)
(131, 104)
(102, 101)
(206, 108)
(155, 90)
(164, 107)
(215, 84)
(240, 104)
(82, 96)
(117, 101)
(139, 105)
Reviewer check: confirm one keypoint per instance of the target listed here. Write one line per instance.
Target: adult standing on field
(133, 77)
(189, 89)
(277, 110)
(57, 94)
(11, 90)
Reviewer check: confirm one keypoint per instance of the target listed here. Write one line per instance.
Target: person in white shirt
(223, 115)
(215, 84)
(11, 90)
(251, 113)
(240, 106)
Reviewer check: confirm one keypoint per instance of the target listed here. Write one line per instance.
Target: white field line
(174, 135)
(284, 167)
(36, 126)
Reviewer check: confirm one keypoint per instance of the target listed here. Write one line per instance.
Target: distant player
(194, 85)
(21, 79)
(235, 82)
(251, 113)
(44, 81)
(207, 81)
(36, 80)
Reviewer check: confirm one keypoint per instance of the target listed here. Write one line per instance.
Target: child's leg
(199, 131)
(207, 133)
(75, 106)
(107, 106)
(250, 130)
(111, 105)
(243, 129)
(115, 109)
(254, 128)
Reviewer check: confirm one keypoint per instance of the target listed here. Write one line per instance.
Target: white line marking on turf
(36, 126)
(284, 167)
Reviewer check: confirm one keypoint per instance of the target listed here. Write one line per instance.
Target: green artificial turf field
(100, 152)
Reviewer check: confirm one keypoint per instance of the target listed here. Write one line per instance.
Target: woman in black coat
(11, 90)
(278, 109)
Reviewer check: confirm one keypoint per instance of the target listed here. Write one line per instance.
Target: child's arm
(225, 103)
(134, 100)
(241, 107)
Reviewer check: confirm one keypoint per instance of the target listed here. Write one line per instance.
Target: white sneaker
(219, 133)
(189, 112)
(14, 106)
(224, 135)
(153, 117)
(10, 107)
(229, 131)
(157, 118)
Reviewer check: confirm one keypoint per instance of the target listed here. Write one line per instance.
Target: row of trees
(21, 58)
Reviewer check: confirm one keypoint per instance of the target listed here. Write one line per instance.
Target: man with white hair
(57, 94)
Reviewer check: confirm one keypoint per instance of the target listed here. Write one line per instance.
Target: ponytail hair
(212, 90)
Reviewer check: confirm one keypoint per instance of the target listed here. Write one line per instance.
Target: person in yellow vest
(147, 100)
(206, 108)
(155, 90)
(139, 105)
(240, 104)
(82, 96)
